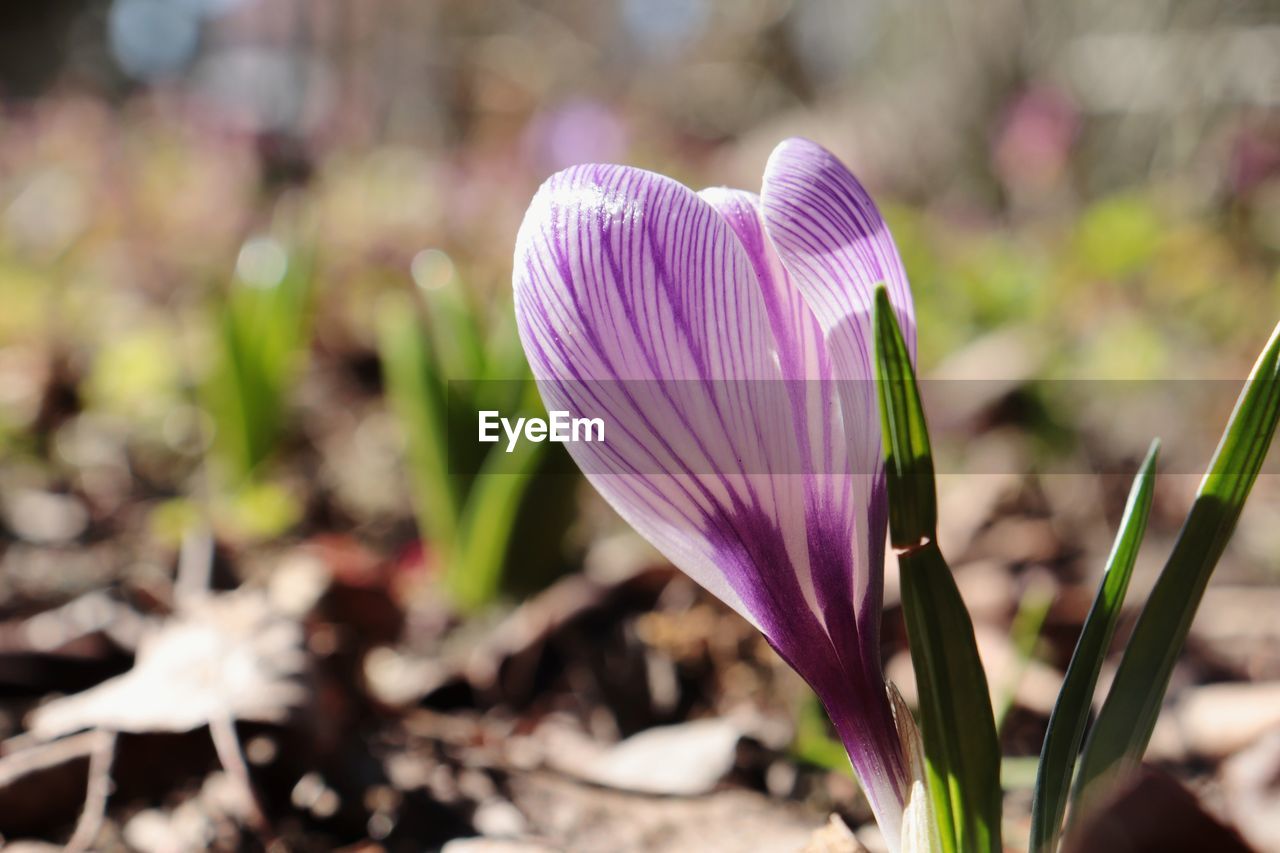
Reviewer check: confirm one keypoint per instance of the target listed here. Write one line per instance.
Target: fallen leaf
(835, 837)
(224, 657)
(1219, 719)
(680, 760)
(1251, 782)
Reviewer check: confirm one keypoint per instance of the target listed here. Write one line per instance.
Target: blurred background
(255, 262)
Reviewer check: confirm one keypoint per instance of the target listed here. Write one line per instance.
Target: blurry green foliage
(1129, 287)
(259, 511)
(136, 374)
(477, 508)
(967, 281)
(23, 292)
(262, 337)
(254, 512)
(998, 276)
(1025, 632)
(814, 743)
(1122, 346)
(1117, 236)
(171, 519)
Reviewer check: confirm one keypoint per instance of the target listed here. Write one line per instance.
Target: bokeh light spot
(665, 26)
(153, 38)
(262, 262)
(431, 269)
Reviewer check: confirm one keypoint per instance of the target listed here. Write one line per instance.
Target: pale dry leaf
(686, 759)
(1217, 720)
(834, 837)
(224, 657)
(1251, 782)
(494, 845)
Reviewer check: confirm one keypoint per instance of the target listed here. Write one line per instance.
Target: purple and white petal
(636, 303)
(834, 243)
(832, 498)
(832, 238)
(845, 555)
(709, 345)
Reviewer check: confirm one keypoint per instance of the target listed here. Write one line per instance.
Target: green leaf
(453, 329)
(488, 520)
(1128, 716)
(262, 335)
(1028, 622)
(504, 354)
(1071, 711)
(415, 392)
(813, 742)
(962, 752)
(913, 510)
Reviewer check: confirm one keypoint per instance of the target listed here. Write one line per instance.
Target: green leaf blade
(485, 528)
(1128, 715)
(962, 751)
(415, 394)
(1071, 711)
(262, 335)
(913, 505)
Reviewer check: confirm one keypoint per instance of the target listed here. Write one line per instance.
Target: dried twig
(222, 728)
(195, 565)
(97, 791)
(24, 754)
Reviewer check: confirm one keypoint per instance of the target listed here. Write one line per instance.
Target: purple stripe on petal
(675, 318)
(831, 236)
(637, 304)
(834, 243)
(832, 499)
(839, 507)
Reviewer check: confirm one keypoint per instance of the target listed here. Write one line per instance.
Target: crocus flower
(725, 340)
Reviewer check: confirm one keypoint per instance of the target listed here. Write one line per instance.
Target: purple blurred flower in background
(725, 340)
(577, 131)
(1032, 148)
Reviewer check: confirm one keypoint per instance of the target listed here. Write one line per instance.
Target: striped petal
(834, 243)
(671, 316)
(637, 304)
(836, 499)
(833, 240)
(844, 514)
